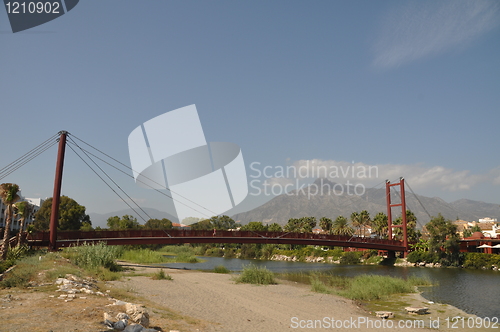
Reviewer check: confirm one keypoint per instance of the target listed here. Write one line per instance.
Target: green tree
(364, 218)
(158, 224)
(223, 222)
(23, 210)
(9, 195)
(302, 225)
(71, 215)
(86, 226)
(254, 226)
(123, 223)
(443, 239)
(326, 224)
(274, 227)
(341, 226)
(411, 227)
(202, 225)
(380, 225)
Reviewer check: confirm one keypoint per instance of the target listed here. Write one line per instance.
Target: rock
(134, 328)
(417, 310)
(137, 314)
(120, 325)
(384, 314)
(122, 315)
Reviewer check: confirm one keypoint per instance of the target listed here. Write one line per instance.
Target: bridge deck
(130, 237)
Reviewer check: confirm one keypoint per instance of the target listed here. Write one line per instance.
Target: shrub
(214, 252)
(141, 256)
(175, 250)
(94, 256)
(186, 258)
(229, 253)
(351, 257)
(160, 275)
(370, 287)
(476, 260)
(256, 275)
(318, 286)
(221, 269)
(414, 257)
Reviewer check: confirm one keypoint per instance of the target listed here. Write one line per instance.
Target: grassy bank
(362, 287)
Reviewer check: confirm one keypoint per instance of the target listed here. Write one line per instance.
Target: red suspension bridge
(55, 239)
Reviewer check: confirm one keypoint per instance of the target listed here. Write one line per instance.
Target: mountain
(332, 203)
(101, 219)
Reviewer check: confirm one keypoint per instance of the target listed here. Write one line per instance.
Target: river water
(474, 291)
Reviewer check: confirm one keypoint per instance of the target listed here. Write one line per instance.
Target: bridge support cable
(129, 169)
(111, 187)
(418, 221)
(27, 157)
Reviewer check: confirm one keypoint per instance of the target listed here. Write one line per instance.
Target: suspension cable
(27, 157)
(212, 213)
(123, 191)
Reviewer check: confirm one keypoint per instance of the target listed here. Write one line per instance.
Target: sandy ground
(199, 301)
(228, 306)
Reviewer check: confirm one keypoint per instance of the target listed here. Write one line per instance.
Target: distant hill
(101, 219)
(296, 204)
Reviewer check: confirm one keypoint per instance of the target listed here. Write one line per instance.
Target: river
(473, 291)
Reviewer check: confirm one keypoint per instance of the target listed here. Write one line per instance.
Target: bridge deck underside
(66, 239)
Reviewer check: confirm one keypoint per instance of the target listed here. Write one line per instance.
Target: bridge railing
(113, 234)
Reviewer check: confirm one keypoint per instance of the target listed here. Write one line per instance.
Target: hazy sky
(410, 87)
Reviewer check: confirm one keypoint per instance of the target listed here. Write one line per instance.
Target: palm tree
(341, 226)
(411, 227)
(356, 222)
(380, 225)
(24, 210)
(365, 221)
(9, 196)
(325, 224)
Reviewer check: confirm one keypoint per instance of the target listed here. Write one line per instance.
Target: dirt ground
(200, 301)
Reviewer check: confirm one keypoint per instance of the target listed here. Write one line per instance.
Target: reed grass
(143, 256)
(161, 275)
(221, 269)
(256, 275)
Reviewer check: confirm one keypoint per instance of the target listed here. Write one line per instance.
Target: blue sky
(410, 87)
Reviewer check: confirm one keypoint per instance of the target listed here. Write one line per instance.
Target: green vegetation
(318, 286)
(9, 195)
(300, 225)
(160, 275)
(476, 260)
(143, 256)
(370, 287)
(444, 240)
(256, 275)
(28, 270)
(221, 269)
(94, 256)
(72, 215)
(362, 287)
(216, 222)
(186, 258)
(351, 257)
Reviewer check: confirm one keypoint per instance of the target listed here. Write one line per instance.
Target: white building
(16, 223)
(488, 220)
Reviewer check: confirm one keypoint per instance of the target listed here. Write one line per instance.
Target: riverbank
(227, 306)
